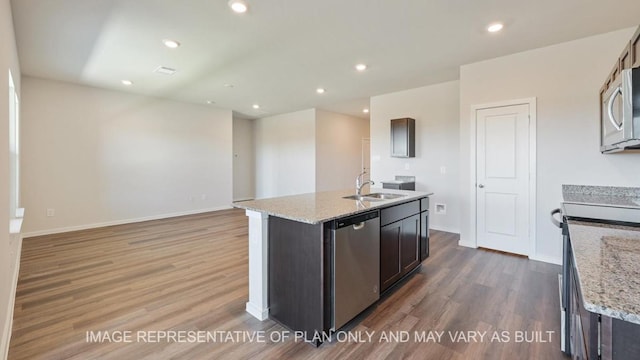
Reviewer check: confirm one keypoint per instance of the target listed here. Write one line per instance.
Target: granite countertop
(314, 208)
(607, 259)
(602, 195)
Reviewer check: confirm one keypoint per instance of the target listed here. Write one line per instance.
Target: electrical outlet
(203, 196)
(51, 212)
(407, 166)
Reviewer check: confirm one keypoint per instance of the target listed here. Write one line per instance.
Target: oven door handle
(553, 218)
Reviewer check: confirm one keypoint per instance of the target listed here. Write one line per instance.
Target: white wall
(9, 245)
(436, 111)
(99, 156)
(285, 148)
(565, 79)
(338, 149)
(243, 159)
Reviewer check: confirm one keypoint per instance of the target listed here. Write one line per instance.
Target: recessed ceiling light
(171, 44)
(238, 6)
(320, 90)
(495, 27)
(256, 106)
(127, 82)
(361, 67)
(366, 111)
(210, 102)
(228, 85)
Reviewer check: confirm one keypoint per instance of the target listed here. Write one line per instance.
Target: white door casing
(503, 194)
(366, 155)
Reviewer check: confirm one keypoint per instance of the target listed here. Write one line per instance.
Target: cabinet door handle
(481, 186)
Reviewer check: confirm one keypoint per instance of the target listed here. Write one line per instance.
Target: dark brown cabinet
(629, 58)
(403, 138)
(625, 58)
(424, 229)
(399, 247)
(410, 246)
(399, 242)
(390, 240)
(634, 49)
(299, 263)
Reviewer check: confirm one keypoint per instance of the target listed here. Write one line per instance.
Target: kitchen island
(291, 253)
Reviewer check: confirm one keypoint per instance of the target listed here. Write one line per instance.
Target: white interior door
(502, 178)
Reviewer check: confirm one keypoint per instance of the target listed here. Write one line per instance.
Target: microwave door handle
(612, 98)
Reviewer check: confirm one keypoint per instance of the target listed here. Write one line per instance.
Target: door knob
(481, 186)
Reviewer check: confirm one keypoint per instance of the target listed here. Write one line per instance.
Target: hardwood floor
(190, 274)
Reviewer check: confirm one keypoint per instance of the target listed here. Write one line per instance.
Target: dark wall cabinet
(635, 49)
(629, 58)
(403, 138)
(399, 242)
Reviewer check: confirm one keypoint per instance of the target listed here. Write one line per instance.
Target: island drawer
(394, 213)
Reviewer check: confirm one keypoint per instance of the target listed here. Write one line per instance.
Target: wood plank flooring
(190, 274)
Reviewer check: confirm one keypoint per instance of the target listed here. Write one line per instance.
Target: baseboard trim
(467, 244)
(547, 259)
(445, 229)
(8, 325)
(122, 222)
(260, 314)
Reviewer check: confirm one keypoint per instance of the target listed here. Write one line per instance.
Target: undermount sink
(374, 197)
(358, 197)
(384, 196)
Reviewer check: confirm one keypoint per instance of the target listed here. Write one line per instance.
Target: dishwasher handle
(356, 221)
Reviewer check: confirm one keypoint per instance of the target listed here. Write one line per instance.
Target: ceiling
(280, 51)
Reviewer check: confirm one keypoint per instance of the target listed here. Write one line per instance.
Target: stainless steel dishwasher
(356, 265)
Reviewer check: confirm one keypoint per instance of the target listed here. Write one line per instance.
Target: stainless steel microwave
(620, 114)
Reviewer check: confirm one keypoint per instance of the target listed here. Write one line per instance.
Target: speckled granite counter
(602, 195)
(314, 208)
(607, 259)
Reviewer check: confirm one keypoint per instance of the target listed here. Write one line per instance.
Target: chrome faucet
(360, 184)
